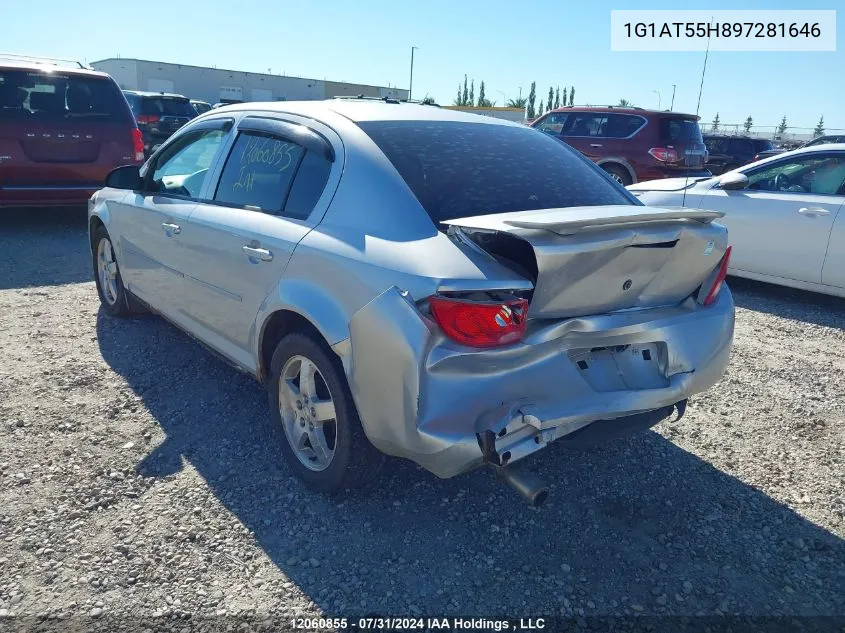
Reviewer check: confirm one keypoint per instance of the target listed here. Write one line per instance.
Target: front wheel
(323, 441)
(113, 295)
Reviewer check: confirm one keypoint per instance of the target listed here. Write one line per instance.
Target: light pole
(520, 93)
(672, 107)
(657, 92)
(411, 83)
(504, 97)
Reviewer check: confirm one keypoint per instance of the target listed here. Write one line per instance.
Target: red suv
(62, 130)
(631, 144)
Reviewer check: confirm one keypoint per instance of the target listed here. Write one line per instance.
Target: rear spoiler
(568, 221)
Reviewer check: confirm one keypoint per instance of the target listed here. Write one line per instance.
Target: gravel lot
(140, 479)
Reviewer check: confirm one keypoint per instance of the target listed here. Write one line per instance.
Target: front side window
(553, 123)
(458, 169)
(259, 172)
(182, 168)
(823, 175)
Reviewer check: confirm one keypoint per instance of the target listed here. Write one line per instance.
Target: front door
(151, 221)
(780, 225)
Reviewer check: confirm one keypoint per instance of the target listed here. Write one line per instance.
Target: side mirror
(126, 177)
(733, 181)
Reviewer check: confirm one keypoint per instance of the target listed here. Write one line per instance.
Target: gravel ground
(140, 478)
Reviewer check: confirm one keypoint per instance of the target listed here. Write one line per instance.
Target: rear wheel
(619, 174)
(323, 441)
(113, 295)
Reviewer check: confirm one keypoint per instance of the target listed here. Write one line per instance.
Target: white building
(216, 85)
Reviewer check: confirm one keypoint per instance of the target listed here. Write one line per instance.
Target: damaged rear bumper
(449, 408)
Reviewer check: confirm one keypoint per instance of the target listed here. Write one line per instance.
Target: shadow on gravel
(789, 303)
(631, 521)
(43, 247)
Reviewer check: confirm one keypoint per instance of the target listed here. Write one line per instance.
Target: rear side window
(259, 172)
(167, 106)
(622, 125)
(40, 96)
(679, 130)
(458, 169)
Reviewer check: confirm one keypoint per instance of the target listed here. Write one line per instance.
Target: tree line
(556, 98)
(781, 128)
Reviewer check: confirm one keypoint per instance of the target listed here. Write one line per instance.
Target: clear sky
(508, 44)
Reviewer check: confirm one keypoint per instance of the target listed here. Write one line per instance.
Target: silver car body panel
(362, 265)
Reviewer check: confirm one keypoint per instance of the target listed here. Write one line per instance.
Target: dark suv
(631, 144)
(727, 153)
(159, 115)
(63, 128)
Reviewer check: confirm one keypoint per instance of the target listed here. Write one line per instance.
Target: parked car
(453, 289)
(63, 128)
(159, 114)
(726, 153)
(784, 215)
(631, 144)
(825, 140)
(201, 106)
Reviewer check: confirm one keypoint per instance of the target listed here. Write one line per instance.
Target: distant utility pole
(411, 83)
(520, 93)
(657, 92)
(671, 107)
(504, 97)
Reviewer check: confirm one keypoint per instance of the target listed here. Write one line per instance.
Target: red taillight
(720, 278)
(480, 324)
(137, 144)
(147, 118)
(664, 154)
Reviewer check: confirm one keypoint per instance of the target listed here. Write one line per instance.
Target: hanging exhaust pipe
(526, 484)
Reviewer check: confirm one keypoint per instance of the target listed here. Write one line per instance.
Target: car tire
(321, 435)
(113, 296)
(619, 174)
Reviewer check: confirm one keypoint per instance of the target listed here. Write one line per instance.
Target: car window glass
(553, 123)
(167, 106)
(622, 125)
(458, 169)
(56, 97)
(258, 172)
(584, 124)
(812, 174)
(183, 166)
(674, 130)
(716, 145)
(308, 185)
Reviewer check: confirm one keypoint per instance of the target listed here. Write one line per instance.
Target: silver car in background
(412, 281)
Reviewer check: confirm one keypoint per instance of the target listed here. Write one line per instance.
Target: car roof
(142, 93)
(361, 110)
(47, 67)
(813, 149)
(626, 110)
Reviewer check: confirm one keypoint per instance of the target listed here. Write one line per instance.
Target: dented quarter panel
(425, 398)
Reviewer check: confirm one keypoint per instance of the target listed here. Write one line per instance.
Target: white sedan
(785, 215)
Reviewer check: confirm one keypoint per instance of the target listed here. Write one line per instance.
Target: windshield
(41, 96)
(458, 169)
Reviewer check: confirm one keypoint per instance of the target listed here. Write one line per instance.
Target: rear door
(585, 132)
(833, 272)
(781, 224)
(269, 195)
(150, 223)
(61, 129)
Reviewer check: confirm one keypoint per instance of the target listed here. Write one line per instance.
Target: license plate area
(622, 367)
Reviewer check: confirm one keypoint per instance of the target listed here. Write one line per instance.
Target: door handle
(258, 253)
(171, 229)
(595, 144)
(813, 211)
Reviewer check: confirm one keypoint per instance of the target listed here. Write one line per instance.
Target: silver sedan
(413, 281)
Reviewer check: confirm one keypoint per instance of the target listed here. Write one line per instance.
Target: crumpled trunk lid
(591, 260)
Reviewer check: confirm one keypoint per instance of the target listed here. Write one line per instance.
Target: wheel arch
(620, 162)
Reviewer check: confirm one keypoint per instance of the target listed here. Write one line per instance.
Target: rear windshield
(167, 106)
(40, 96)
(459, 170)
(675, 130)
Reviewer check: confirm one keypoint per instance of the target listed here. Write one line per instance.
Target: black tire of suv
(356, 461)
(121, 305)
(618, 173)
